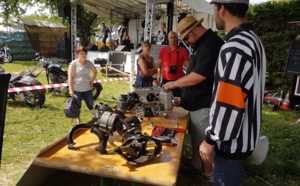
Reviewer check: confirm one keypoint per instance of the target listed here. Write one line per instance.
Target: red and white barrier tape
(100, 68)
(97, 67)
(38, 87)
(124, 73)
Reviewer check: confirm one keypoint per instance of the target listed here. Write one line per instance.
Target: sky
(257, 1)
(35, 8)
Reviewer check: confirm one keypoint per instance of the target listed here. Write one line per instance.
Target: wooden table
(161, 170)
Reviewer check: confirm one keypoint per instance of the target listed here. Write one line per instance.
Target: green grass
(282, 165)
(29, 130)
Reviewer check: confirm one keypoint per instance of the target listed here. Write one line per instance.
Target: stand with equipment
(87, 160)
(293, 68)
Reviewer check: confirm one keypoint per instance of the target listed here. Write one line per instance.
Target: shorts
(87, 96)
(198, 122)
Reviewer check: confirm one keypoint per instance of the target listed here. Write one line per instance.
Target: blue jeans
(228, 172)
(87, 96)
(143, 81)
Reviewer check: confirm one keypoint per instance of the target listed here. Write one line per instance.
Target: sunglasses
(186, 37)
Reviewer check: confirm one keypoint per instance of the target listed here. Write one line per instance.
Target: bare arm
(94, 70)
(185, 81)
(159, 67)
(186, 64)
(71, 72)
(145, 70)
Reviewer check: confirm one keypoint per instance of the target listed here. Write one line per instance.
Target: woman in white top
(80, 82)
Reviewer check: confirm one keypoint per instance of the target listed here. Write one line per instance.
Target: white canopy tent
(132, 9)
(135, 11)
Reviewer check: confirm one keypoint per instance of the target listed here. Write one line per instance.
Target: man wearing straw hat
(235, 116)
(197, 85)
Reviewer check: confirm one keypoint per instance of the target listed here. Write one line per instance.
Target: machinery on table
(137, 148)
(147, 102)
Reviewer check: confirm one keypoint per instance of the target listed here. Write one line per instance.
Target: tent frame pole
(73, 29)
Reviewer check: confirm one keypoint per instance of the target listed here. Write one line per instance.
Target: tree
(271, 23)
(86, 21)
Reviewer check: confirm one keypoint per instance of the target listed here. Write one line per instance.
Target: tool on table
(166, 134)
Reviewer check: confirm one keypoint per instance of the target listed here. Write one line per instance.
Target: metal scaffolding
(148, 21)
(73, 29)
(149, 16)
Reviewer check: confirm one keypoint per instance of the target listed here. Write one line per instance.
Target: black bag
(72, 109)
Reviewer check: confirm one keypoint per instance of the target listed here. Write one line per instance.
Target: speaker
(143, 24)
(126, 21)
(64, 10)
(122, 48)
(181, 16)
(92, 47)
(64, 49)
(104, 48)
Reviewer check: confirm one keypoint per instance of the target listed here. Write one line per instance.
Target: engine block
(150, 101)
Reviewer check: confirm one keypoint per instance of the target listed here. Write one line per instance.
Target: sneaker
(209, 179)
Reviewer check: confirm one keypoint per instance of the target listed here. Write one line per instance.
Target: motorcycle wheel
(8, 58)
(97, 88)
(34, 98)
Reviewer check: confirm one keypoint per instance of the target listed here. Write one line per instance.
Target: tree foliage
(271, 23)
(86, 21)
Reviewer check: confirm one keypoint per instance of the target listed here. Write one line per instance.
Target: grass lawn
(29, 130)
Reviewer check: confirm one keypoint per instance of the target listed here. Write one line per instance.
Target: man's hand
(206, 152)
(169, 86)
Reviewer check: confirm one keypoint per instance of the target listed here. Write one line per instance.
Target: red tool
(163, 131)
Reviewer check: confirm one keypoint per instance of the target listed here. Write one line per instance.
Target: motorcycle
(56, 74)
(31, 97)
(5, 56)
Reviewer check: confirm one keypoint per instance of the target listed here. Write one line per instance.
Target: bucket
(260, 152)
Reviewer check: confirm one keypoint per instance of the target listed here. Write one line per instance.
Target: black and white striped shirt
(235, 118)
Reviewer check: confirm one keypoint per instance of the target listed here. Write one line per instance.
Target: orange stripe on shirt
(232, 95)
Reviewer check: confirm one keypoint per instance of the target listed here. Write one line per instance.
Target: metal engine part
(150, 101)
(136, 148)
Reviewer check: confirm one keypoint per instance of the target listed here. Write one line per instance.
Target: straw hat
(187, 24)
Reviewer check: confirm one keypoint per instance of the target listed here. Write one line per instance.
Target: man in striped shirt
(235, 117)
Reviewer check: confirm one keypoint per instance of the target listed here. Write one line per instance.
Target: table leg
(102, 181)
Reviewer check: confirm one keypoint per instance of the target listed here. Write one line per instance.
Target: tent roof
(118, 10)
(42, 23)
(17, 25)
(200, 6)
